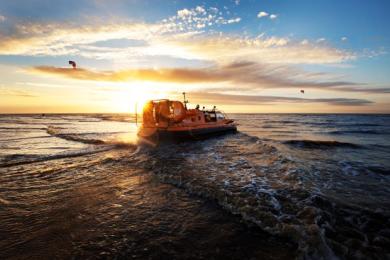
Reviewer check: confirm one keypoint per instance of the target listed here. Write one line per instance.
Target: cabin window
(207, 117)
(199, 118)
(220, 116)
(210, 116)
(192, 119)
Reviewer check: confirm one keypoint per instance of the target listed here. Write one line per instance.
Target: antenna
(73, 63)
(185, 101)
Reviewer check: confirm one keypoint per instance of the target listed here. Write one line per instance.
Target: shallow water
(284, 186)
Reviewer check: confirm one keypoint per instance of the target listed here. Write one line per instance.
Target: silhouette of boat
(171, 120)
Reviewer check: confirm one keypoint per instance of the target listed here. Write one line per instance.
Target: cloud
(249, 76)
(179, 37)
(53, 39)
(235, 20)
(265, 14)
(262, 14)
(2, 18)
(70, 38)
(207, 97)
(344, 39)
(227, 49)
(200, 9)
(304, 42)
(184, 13)
(160, 75)
(199, 17)
(321, 40)
(15, 92)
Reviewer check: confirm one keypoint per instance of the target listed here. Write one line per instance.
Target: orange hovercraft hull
(165, 120)
(189, 133)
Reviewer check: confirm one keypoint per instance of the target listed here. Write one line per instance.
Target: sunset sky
(243, 56)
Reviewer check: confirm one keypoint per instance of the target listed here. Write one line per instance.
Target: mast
(185, 101)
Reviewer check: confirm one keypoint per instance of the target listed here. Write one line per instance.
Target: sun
(130, 101)
(131, 98)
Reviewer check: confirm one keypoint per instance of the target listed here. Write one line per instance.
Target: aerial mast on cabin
(73, 63)
(185, 101)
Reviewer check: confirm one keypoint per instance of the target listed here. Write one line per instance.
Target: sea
(285, 186)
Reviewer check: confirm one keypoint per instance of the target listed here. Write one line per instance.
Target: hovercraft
(170, 120)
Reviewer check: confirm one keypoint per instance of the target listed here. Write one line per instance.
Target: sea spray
(265, 188)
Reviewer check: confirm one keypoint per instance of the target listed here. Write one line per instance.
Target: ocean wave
(377, 169)
(261, 183)
(94, 138)
(29, 122)
(355, 168)
(119, 118)
(270, 126)
(20, 159)
(319, 144)
(254, 180)
(7, 147)
(340, 124)
(342, 132)
(23, 138)
(282, 122)
(22, 128)
(362, 124)
(329, 123)
(55, 131)
(80, 139)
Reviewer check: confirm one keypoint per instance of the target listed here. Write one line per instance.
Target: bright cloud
(225, 49)
(262, 14)
(216, 98)
(235, 20)
(273, 16)
(15, 92)
(55, 39)
(179, 36)
(304, 42)
(321, 40)
(184, 13)
(2, 18)
(200, 9)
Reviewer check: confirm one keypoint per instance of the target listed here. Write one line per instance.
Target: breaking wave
(255, 180)
(97, 142)
(318, 144)
(342, 132)
(112, 138)
(326, 202)
(20, 159)
(21, 129)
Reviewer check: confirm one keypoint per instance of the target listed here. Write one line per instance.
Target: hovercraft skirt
(193, 134)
